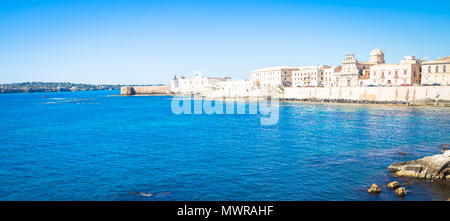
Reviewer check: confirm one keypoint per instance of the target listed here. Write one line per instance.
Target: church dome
(375, 52)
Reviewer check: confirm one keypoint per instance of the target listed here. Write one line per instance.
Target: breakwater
(144, 90)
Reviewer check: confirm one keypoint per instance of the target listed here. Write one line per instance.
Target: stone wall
(429, 95)
(144, 90)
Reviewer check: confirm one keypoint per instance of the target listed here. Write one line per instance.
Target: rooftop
(439, 60)
(277, 68)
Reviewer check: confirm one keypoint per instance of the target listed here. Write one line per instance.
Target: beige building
(330, 76)
(308, 76)
(404, 74)
(436, 72)
(352, 69)
(273, 77)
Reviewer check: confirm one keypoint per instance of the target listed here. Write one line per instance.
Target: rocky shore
(436, 167)
(343, 101)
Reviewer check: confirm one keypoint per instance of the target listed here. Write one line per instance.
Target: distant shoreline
(48, 87)
(42, 92)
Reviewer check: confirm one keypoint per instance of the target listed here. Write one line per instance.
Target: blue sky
(143, 42)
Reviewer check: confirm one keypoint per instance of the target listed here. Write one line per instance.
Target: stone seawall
(144, 90)
(412, 95)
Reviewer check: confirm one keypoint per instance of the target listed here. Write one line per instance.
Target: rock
(145, 194)
(401, 191)
(444, 147)
(401, 153)
(432, 167)
(393, 185)
(374, 189)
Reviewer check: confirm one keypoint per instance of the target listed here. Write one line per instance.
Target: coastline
(365, 103)
(438, 96)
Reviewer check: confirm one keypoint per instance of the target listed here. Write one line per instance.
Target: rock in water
(393, 185)
(401, 191)
(436, 167)
(374, 189)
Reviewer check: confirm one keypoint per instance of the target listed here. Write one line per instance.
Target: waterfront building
(404, 74)
(235, 88)
(308, 76)
(196, 85)
(273, 77)
(352, 69)
(436, 72)
(330, 76)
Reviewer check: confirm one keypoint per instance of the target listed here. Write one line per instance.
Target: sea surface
(95, 146)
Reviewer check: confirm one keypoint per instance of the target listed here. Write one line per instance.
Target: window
(429, 69)
(437, 69)
(445, 68)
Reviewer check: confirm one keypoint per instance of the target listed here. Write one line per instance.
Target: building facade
(404, 74)
(352, 69)
(272, 77)
(308, 76)
(330, 76)
(196, 85)
(436, 72)
(235, 88)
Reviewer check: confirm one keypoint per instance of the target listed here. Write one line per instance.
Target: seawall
(411, 95)
(144, 90)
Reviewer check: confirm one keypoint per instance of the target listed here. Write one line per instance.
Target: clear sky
(144, 42)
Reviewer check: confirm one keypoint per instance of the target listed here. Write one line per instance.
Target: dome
(376, 51)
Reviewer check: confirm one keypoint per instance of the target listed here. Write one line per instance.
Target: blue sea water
(93, 146)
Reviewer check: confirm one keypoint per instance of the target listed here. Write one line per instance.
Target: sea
(98, 146)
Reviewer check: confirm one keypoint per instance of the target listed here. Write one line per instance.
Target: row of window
(389, 82)
(269, 73)
(303, 74)
(306, 78)
(436, 68)
(389, 73)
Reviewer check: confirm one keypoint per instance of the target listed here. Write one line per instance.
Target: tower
(174, 83)
(376, 56)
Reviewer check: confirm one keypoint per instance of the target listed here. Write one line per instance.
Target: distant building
(436, 72)
(235, 88)
(196, 85)
(308, 76)
(274, 76)
(405, 73)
